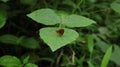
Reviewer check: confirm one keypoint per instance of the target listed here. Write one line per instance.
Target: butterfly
(60, 32)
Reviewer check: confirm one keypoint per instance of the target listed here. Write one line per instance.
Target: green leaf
(30, 65)
(19, 41)
(102, 45)
(29, 43)
(10, 61)
(106, 57)
(80, 61)
(116, 55)
(26, 60)
(54, 41)
(90, 42)
(45, 16)
(33, 58)
(47, 59)
(116, 7)
(8, 39)
(62, 14)
(77, 21)
(90, 64)
(104, 31)
(2, 18)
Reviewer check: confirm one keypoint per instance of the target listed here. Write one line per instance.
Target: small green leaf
(30, 65)
(10, 61)
(26, 60)
(116, 55)
(19, 41)
(54, 41)
(77, 21)
(80, 61)
(47, 59)
(45, 16)
(101, 44)
(106, 57)
(33, 58)
(8, 39)
(90, 41)
(116, 7)
(2, 18)
(29, 43)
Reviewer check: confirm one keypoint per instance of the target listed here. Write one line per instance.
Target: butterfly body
(60, 32)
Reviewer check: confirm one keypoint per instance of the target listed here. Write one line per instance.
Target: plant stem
(73, 57)
(56, 3)
(60, 24)
(59, 57)
(90, 56)
(45, 3)
(79, 3)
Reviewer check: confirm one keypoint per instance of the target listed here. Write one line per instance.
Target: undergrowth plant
(12, 61)
(57, 37)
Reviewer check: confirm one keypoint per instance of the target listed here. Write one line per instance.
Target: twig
(59, 57)
(73, 57)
